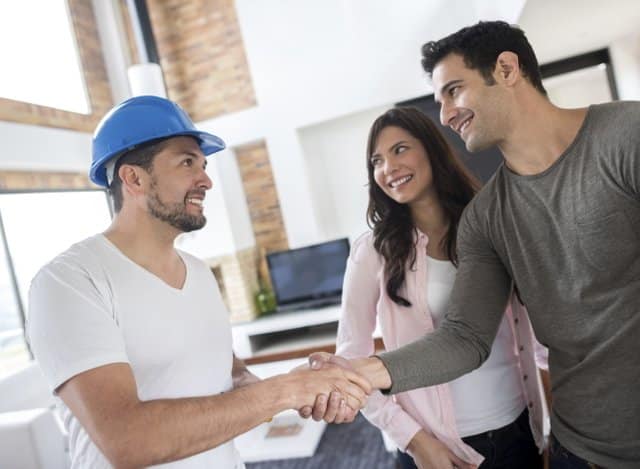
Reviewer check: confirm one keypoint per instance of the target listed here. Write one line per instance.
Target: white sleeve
(70, 326)
(360, 294)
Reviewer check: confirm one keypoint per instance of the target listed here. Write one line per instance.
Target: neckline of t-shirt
(122, 255)
(529, 177)
(442, 262)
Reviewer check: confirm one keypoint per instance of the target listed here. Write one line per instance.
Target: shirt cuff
(402, 429)
(397, 366)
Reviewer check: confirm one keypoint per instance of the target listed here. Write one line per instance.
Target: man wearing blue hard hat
(132, 334)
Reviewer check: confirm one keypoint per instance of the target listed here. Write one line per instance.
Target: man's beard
(173, 214)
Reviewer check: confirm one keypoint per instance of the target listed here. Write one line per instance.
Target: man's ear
(131, 178)
(507, 69)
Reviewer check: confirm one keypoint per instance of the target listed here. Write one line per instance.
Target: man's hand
(430, 453)
(318, 359)
(306, 387)
(330, 409)
(371, 368)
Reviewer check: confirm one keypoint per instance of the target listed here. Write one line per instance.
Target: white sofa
(31, 434)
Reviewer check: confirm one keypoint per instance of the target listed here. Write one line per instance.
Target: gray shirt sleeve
(463, 341)
(629, 154)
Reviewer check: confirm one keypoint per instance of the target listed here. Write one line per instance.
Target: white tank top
(491, 396)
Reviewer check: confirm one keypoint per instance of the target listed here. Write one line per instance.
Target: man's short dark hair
(140, 156)
(480, 45)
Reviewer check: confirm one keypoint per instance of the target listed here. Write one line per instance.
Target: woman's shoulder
(362, 248)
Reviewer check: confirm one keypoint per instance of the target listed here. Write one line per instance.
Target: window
(13, 350)
(38, 44)
(36, 226)
(580, 88)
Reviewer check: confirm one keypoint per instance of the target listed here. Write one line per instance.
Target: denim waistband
(556, 450)
(489, 434)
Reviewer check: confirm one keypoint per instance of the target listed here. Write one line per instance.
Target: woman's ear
(507, 69)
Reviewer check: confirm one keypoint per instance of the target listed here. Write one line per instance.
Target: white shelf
(291, 320)
(285, 332)
(282, 332)
(285, 341)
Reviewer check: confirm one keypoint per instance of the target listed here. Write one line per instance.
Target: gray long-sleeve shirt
(569, 238)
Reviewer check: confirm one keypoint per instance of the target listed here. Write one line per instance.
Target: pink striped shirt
(401, 416)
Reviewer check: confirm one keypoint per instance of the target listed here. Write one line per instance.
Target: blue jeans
(561, 458)
(509, 447)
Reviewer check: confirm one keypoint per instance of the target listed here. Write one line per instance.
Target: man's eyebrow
(192, 154)
(179, 152)
(445, 87)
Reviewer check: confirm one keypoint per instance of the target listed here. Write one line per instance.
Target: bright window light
(13, 348)
(38, 226)
(41, 225)
(39, 55)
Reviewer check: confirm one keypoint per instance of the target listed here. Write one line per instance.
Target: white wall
(313, 62)
(559, 29)
(579, 88)
(25, 147)
(217, 237)
(335, 152)
(625, 57)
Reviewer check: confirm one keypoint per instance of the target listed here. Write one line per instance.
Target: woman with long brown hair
(400, 274)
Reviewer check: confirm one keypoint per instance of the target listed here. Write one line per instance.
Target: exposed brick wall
(129, 38)
(205, 69)
(202, 56)
(262, 198)
(238, 281)
(95, 78)
(31, 180)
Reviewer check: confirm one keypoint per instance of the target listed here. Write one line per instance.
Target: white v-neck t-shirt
(491, 396)
(92, 306)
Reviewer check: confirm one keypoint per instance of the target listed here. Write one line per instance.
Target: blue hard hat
(139, 120)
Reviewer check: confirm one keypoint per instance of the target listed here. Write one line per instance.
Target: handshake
(332, 388)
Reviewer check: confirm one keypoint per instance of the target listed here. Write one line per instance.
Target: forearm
(463, 341)
(374, 370)
(159, 431)
(406, 364)
(419, 440)
(133, 433)
(434, 359)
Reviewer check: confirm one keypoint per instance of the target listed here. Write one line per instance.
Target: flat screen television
(310, 276)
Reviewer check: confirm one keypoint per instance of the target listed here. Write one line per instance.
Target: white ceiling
(561, 28)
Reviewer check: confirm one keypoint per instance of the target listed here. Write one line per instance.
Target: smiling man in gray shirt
(560, 221)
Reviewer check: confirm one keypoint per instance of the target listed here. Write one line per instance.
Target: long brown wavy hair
(391, 222)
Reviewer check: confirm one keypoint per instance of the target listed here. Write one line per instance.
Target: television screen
(309, 276)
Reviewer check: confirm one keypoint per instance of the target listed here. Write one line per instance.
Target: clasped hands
(336, 390)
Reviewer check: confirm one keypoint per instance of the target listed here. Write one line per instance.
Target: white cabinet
(283, 332)
(287, 332)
